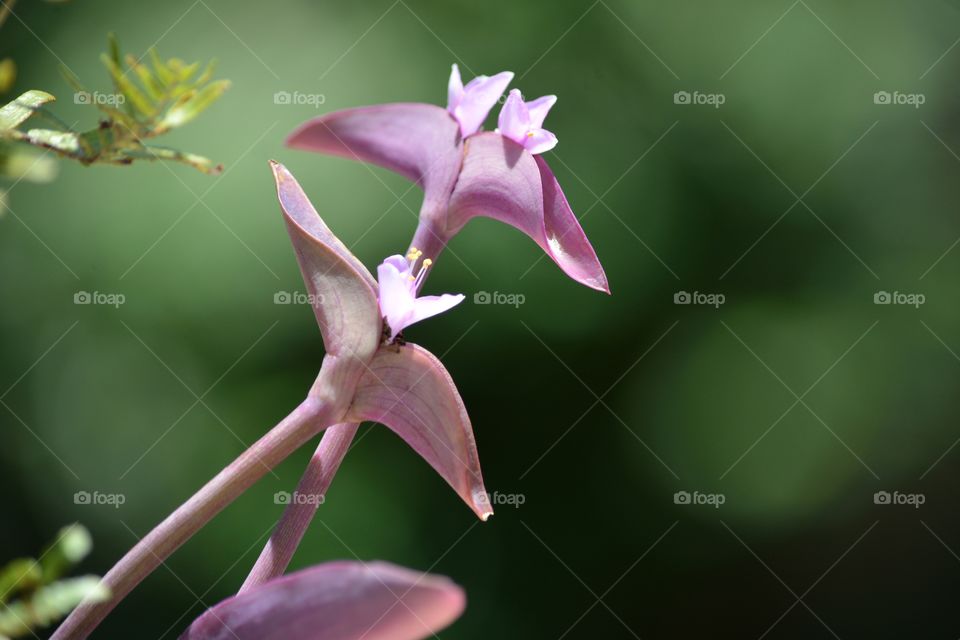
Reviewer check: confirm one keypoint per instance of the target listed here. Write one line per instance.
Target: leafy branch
(44, 598)
(148, 101)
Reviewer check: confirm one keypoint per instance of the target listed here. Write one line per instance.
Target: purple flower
(336, 601)
(399, 303)
(465, 173)
(470, 104)
(402, 386)
(522, 122)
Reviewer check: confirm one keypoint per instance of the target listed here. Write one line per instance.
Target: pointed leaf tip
(343, 291)
(501, 180)
(408, 389)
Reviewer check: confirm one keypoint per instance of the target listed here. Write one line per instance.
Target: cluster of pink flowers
(369, 373)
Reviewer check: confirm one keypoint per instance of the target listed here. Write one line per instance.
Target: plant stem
(324, 463)
(301, 425)
(315, 482)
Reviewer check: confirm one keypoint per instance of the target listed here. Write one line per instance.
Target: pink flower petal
(539, 140)
(344, 292)
(418, 141)
(479, 96)
(501, 180)
(396, 294)
(336, 601)
(539, 109)
(428, 306)
(407, 389)
(514, 119)
(454, 89)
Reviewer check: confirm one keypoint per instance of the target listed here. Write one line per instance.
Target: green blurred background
(674, 197)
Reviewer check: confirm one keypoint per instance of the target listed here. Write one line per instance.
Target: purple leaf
(336, 601)
(502, 180)
(419, 141)
(343, 292)
(407, 389)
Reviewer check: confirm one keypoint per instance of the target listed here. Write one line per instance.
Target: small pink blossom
(470, 104)
(399, 303)
(522, 122)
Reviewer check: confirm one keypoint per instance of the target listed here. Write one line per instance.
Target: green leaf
(72, 545)
(49, 604)
(14, 113)
(72, 79)
(186, 110)
(204, 77)
(19, 575)
(165, 75)
(129, 90)
(147, 79)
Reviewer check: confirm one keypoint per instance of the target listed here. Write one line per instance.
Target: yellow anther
(427, 262)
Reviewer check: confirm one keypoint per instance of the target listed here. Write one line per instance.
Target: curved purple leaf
(336, 601)
(407, 389)
(501, 180)
(343, 292)
(419, 141)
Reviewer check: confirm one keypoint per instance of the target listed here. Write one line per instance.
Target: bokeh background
(798, 199)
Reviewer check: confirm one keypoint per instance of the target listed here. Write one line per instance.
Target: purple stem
(296, 517)
(301, 425)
